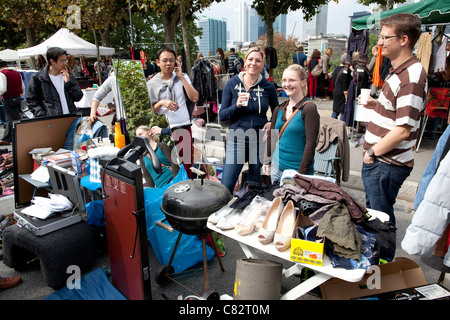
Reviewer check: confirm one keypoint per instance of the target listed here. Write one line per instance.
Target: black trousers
(12, 112)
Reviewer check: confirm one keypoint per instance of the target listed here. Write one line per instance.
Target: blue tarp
(93, 286)
(189, 251)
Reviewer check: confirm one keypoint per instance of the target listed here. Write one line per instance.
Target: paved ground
(33, 287)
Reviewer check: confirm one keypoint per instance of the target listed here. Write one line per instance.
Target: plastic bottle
(119, 137)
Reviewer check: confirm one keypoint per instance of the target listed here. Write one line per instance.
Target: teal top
(290, 148)
(160, 180)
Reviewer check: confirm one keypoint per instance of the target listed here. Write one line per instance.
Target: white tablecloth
(88, 95)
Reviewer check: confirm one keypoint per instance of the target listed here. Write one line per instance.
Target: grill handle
(164, 226)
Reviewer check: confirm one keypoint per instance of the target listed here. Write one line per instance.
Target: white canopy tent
(9, 55)
(68, 41)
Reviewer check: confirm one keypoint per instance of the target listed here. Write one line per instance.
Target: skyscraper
(317, 25)
(240, 22)
(279, 26)
(257, 27)
(214, 35)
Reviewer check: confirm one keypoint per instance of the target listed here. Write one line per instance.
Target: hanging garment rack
(440, 33)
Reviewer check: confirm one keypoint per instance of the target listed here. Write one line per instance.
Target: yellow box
(305, 251)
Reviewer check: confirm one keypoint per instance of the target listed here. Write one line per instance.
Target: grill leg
(174, 251)
(205, 264)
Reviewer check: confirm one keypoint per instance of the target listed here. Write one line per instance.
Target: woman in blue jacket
(245, 102)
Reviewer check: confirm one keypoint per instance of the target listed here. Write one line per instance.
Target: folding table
(250, 242)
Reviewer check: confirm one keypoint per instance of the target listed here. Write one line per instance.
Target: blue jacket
(98, 128)
(430, 170)
(262, 96)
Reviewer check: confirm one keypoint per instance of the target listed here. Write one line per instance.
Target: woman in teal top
(295, 148)
(163, 151)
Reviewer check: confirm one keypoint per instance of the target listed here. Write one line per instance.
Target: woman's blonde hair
(301, 74)
(255, 49)
(147, 129)
(143, 127)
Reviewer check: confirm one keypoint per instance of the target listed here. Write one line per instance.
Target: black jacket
(202, 78)
(43, 99)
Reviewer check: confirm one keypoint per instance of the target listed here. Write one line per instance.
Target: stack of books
(60, 159)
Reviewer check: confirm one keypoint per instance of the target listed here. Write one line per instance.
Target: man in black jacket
(53, 90)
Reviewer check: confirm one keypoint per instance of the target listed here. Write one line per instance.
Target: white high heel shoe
(283, 234)
(267, 230)
(216, 216)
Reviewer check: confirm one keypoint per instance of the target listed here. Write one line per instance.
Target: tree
(95, 15)
(284, 47)
(269, 10)
(29, 16)
(173, 12)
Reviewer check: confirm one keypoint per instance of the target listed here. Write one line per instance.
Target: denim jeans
(237, 154)
(382, 183)
(335, 115)
(275, 172)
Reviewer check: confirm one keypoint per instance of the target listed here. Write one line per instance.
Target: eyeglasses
(168, 60)
(288, 81)
(384, 38)
(63, 60)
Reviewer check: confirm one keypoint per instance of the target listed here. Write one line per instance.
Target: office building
(240, 23)
(317, 25)
(279, 25)
(321, 42)
(214, 35)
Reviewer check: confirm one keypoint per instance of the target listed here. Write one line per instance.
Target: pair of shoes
(9, 282)
(251, 216)
(4, 143)
(216, 216)
(283, 235)
(278, 229)
(7, 161)
(229, 221)
(267, 230)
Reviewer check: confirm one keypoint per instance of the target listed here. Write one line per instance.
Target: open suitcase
(64, 182)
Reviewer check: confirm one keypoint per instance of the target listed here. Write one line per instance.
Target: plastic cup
(247, 95)
(365, 93)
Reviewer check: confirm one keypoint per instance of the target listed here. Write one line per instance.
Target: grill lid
(194, 199)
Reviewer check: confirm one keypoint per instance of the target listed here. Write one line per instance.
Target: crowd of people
(250, 106)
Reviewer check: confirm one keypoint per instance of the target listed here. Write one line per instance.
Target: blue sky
(338, 15)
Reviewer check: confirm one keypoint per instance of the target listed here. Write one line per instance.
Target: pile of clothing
(353, 237)
(6, 173)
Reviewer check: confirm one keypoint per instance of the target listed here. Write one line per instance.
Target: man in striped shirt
(392, 132)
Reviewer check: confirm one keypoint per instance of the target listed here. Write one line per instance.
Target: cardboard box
(427, 292)
(305, 251)
(400, 274)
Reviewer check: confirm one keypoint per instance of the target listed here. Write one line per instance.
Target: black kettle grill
(187, 206)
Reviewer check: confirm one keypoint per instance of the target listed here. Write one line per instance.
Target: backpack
(237, 66)
(234, 64)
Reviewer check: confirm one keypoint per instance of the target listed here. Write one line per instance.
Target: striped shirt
(401, 102)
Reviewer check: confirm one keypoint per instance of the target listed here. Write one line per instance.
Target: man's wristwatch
(370, 153)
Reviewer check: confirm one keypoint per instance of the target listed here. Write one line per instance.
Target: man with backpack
(233, 63)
